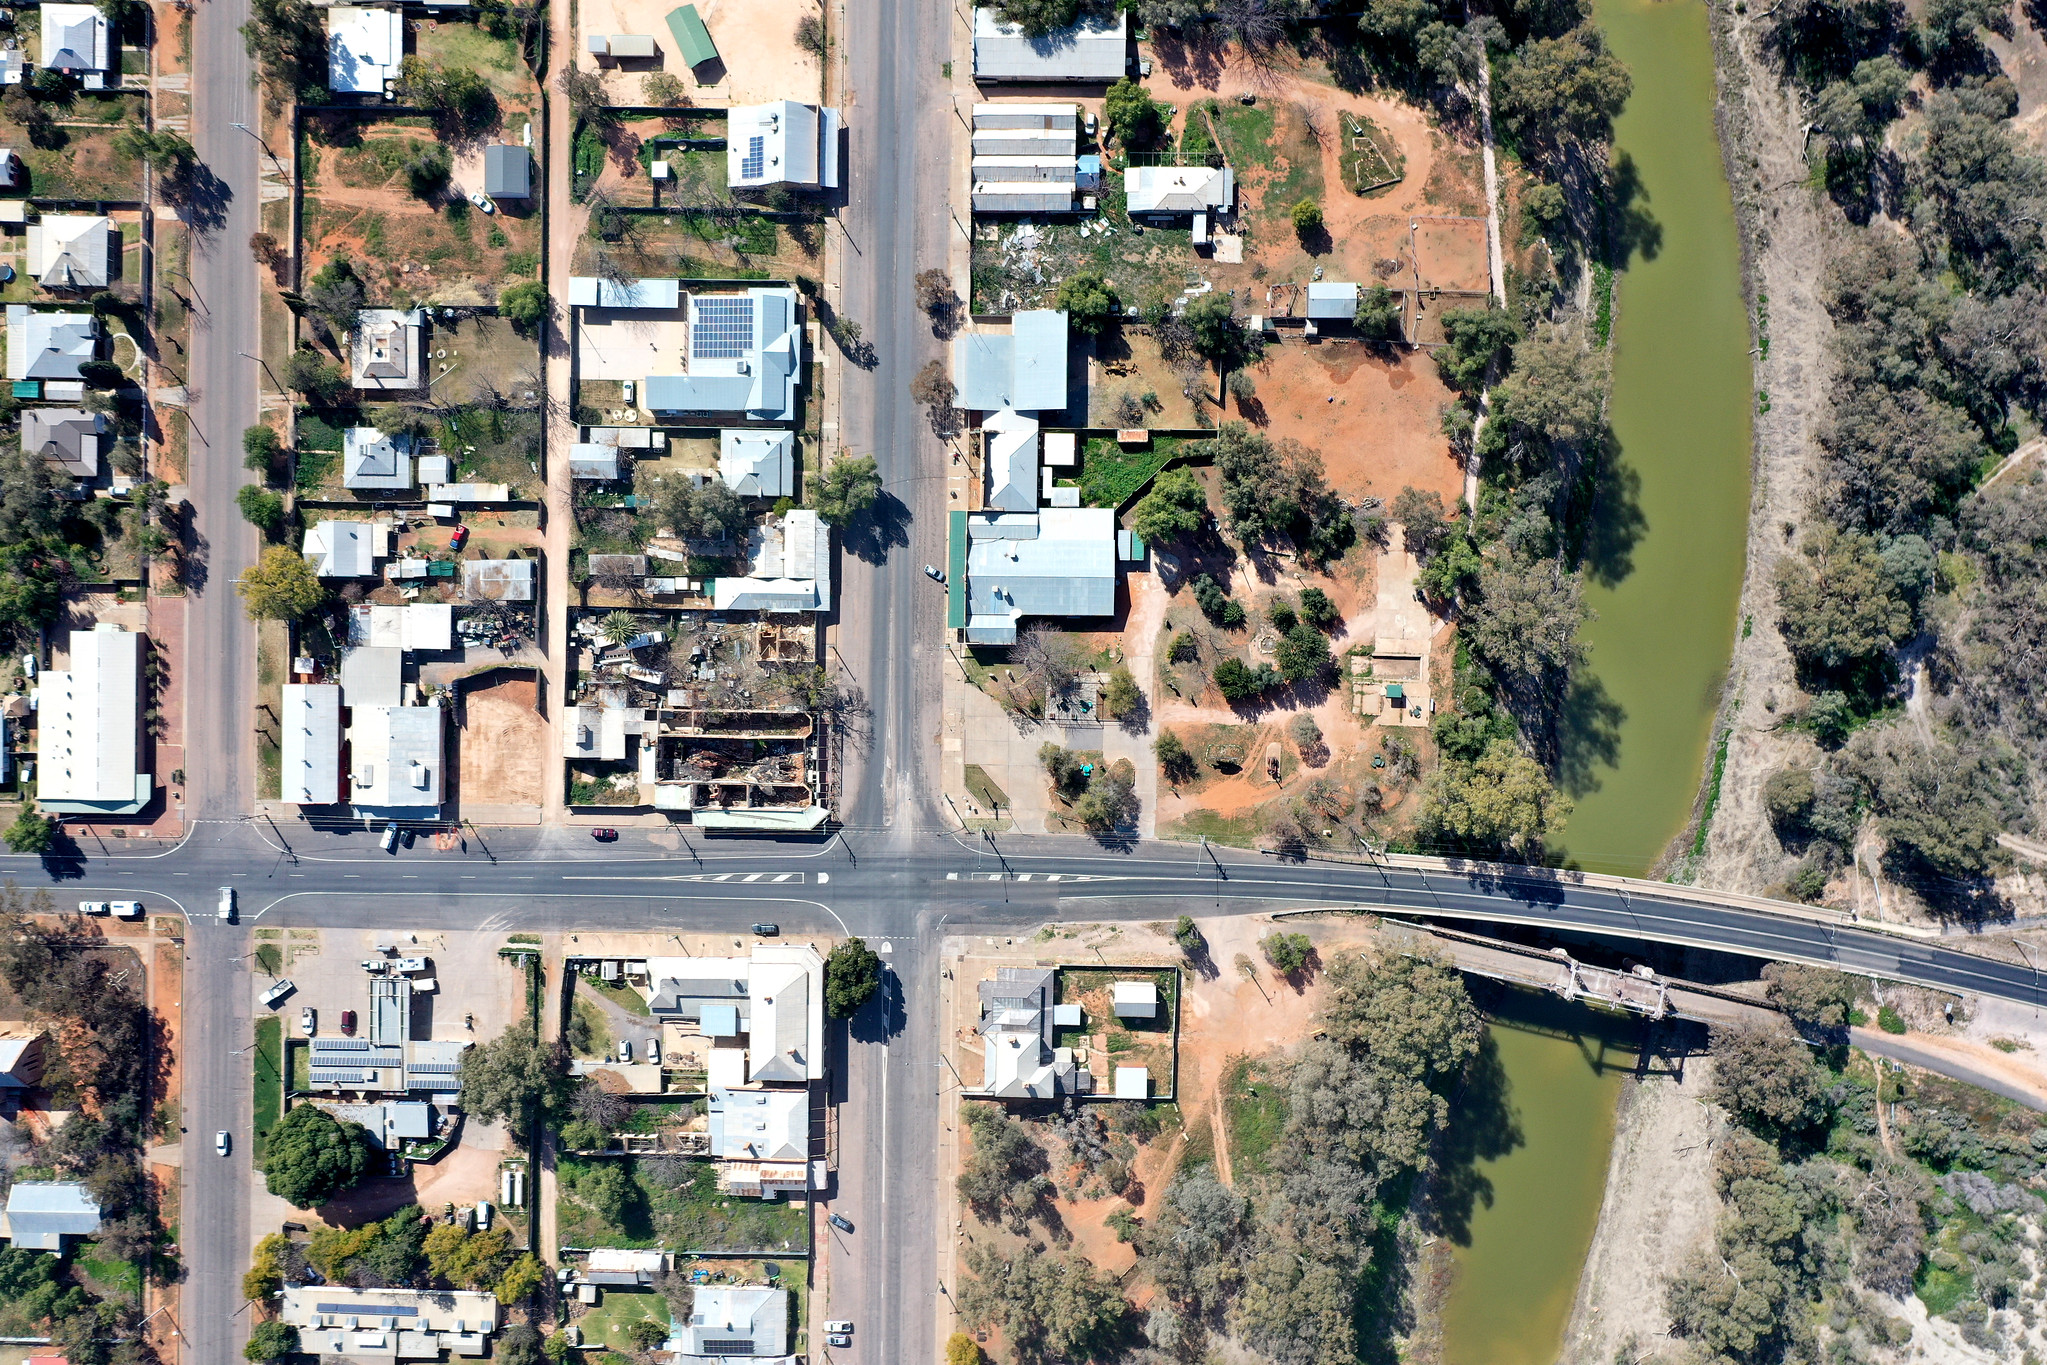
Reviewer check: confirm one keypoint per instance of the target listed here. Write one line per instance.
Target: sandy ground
(1376, 419)
(503, 744)
(1659, 1204)
(758, 59)
(1786, 235)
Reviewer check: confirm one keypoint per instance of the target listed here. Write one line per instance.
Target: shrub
(1307, 217)
(1238, 681)
(1303, 653)
(1288, 953)
(1187, 935)
(1122, 693)
(1174, 760)
(1280, 612)
(1889, 1020)
(1316, 608)
(524, 305)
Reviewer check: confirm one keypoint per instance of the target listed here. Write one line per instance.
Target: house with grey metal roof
(744, 356)
(42, 1213)
(760, 1125)
(735, 1322)
(1011, 442)
(1023, 367)
(341, 549)
(370, 459)
(46, 345)
(588, 291)
(70, 440)
(593, 460)
(507, 172)
(310, 744)
(1332, 301)
(78, 39)
(1057, 561)
(1094, 50)
(1016, 1026)
(757, 463)
(72, 250)
(1175, 190)
(350, 1324)
(398, 761)
(790, 567)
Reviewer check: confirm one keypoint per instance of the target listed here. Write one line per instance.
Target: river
(1667, 561)
(1533, 1130)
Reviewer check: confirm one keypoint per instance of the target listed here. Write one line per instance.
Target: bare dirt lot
(503, 745)
(1375, 416)
(758, 58)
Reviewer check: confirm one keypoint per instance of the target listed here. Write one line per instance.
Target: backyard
(670, 1202)
(70, 150)
(1125, 1042)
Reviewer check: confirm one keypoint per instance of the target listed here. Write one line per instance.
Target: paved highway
(219, 661)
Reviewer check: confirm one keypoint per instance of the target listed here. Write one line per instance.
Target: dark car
(767, 930)
(348, 1022)
(604, 836)
(460, 538)
(840, 1223)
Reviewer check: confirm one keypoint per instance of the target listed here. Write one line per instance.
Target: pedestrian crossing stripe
(745, 878)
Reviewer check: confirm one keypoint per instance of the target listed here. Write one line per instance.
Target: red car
(348, 1022)
(459, 538)
(603, 836)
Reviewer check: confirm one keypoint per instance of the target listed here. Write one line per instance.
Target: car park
(94, 907)
(840, 1223)
(226, 913)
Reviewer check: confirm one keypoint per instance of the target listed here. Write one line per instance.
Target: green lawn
(114, 1278)
(1255, 1105)
(605, 1325)
(1111, 476)
(983, 789)
(619, 994)
(267, 1062)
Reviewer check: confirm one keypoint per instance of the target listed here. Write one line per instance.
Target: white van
(127, 909)
(390, 840)
(227, 905)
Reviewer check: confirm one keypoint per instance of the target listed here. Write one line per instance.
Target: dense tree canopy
(312, 1156)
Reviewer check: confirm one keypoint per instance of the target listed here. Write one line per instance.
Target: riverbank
(1787, 233)
(1659, 1205)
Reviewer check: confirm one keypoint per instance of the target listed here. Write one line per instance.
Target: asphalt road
(219, 662)
(886, 643)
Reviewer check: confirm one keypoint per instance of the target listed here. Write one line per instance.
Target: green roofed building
(691, 37)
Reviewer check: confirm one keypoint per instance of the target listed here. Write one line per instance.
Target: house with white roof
(72, 250)
(593, 460)
(42, 1213)
(1021, 367)
(370, 459)
(89, 727)
(341, 549)
(309, 741)
(782, 143)
(1019, 1061)
(1095, 50)
(1057, 561)
(388, 350)
(791, 568)
(46, 345)
(1011, 440)
(744, 357)
(389, 1324)
(758, 463)
(588, 291)
(1176, 190)
(397, 762)
(365, 48)
(77, 39)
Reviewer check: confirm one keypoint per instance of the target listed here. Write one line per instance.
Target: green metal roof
(28, 388)
(956, 571)
(691, 36)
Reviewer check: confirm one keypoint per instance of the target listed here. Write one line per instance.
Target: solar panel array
(727, 1348)
(369, 1310)
(723, 327)
(756, 158)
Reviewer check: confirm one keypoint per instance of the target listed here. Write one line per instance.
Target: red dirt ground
(1383, 430)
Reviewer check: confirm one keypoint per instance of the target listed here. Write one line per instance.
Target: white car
(306, 1018)
(226, 914)
(482, 201)
(127, 909)
(221, 1142)
(94, 907)
(625, 1049)
(838, 1327)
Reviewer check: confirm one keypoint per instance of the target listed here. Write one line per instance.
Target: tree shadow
(882, 1017)
(202, 199)
(1483, 1127)
(1617, 522)
(1588, 734)
(882, 527)
(1631, 229)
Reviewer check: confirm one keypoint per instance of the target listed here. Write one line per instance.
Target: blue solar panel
(756, 157)
(723, 328)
